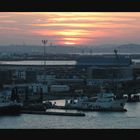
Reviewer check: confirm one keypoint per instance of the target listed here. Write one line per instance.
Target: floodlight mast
(44, 43)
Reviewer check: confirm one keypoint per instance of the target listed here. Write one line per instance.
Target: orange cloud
(7, 21)
(71, 27)
(64, 25)
(71, 39)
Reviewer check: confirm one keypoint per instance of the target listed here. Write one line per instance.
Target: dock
(53, 113)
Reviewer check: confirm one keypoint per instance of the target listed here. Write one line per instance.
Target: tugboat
(105, 101)
(9, 102)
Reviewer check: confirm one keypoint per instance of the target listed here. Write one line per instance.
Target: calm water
(96, 120)
(38, 62)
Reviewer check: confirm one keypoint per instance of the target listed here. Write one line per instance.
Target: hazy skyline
(69, 28)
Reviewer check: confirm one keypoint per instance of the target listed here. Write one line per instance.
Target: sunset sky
(69, 28)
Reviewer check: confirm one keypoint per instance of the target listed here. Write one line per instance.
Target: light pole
(44, 43)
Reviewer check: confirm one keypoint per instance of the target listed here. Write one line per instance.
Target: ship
(9, 103)
(104, 101)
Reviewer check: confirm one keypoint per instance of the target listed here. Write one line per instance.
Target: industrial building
(79, 74)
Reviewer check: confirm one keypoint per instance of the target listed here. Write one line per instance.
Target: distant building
(33, 88)
(106, 69)
(87, 70)
(104, 61)
(49, 79)
(108, 74)
(59, 88)
(19, 74)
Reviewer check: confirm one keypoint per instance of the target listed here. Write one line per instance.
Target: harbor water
(39, 62)
(92, 120)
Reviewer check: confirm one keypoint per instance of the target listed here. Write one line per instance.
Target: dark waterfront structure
(83, 75)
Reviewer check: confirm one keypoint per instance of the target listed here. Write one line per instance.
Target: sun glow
(69, 28)
(71, 39)
(69, 43)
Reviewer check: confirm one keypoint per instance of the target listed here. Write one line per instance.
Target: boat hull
(115, 105)
(97, 109)
(10, 110)
(90, 109)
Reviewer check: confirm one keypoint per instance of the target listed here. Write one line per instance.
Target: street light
(44, 43)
